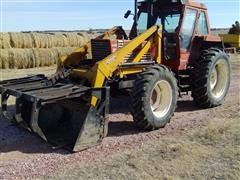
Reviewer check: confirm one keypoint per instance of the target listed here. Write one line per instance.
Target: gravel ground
(211, 151)
(22, 155)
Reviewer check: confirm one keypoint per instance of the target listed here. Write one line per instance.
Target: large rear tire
(154, 98)
(211, 78)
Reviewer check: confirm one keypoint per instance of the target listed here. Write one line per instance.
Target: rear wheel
(154, 98)
(211, 78)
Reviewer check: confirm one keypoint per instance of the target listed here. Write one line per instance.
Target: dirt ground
(197, 144)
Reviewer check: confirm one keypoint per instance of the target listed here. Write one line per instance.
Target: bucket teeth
(58, 111)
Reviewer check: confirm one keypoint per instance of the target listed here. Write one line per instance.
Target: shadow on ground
(15, 138)
(186, 106)
(120, 128)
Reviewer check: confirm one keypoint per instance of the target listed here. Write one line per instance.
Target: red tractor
(196, 57)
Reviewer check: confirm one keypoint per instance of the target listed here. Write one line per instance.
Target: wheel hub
(161, 98)
(218, 79)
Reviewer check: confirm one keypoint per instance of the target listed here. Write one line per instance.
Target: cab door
(186, 35)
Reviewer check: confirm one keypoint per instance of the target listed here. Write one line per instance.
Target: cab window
(202, 24)
(188, 28)
(142, 22)
(172, 22)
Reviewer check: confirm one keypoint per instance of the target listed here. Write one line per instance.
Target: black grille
(100, 49)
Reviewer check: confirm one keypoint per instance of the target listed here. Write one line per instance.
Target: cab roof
(177, 2)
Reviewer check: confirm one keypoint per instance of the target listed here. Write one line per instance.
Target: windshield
(169, 19)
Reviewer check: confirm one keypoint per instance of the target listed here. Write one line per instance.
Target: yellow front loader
(168, 52)
(70, 108)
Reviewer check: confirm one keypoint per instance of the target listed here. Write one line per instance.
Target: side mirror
(127, 14)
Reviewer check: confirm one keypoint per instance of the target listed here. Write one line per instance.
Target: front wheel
(211, 78)
(154, 98)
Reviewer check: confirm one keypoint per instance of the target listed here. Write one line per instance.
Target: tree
(235, 29)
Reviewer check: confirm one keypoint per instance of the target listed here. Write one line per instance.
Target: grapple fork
(58, 110)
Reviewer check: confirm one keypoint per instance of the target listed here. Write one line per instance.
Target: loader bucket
(60, 113)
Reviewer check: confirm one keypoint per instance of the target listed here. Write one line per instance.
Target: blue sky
(25, 15)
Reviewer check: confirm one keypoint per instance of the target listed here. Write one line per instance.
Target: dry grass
(211, 152)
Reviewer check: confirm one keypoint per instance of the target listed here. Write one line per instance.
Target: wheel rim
(213, 79)
(161, 98)
(219, 79)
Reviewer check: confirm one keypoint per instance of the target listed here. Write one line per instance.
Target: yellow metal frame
(109, 66)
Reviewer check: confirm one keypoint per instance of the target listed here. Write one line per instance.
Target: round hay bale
(58, 40)
(4, 59)
(41, 40)
(21, 58)
(85, 37)
(45, 57)
(31, 58)
(4, 40)
(77, 39)
(65, 51)
(90, 36)
(21, 40)
(71, 39)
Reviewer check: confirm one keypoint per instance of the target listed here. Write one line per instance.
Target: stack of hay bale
(29, 50)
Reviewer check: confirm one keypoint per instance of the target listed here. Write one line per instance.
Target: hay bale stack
(29, 50)
(4, 59)
(43, 40)
(21, 58)
(4, 40)
(21, 40)
(45, 57)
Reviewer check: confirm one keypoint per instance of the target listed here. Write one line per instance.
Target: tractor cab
(181, 21)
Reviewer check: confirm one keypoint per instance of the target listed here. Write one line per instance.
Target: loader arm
(109, 66)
